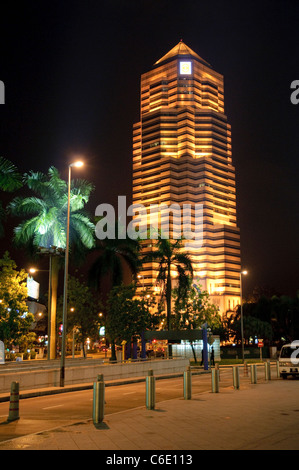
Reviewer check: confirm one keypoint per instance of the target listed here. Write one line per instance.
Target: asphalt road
(48, 412)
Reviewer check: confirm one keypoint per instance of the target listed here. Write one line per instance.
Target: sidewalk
(264, 416)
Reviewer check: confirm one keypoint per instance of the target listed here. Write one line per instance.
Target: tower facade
(182, 155)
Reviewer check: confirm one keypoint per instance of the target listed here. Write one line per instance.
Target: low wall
(82, 374)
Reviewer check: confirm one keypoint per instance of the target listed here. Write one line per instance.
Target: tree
(84, 310)
(127, 316)
(15, 320)
(193, 309)
(45, 220)
(45, 213)
(168, 254)
(10, 180)
(113, 255)
(252, 326)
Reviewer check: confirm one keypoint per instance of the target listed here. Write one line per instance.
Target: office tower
(182, 154)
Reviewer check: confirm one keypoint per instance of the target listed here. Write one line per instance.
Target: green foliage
(26, 341)
(275, 319)
(252, 327)
(168, 253)
(112, 255)
(15, 320)
(10, 180)
(193, 308)
(127, 315)
(45, 212)
(83, 310)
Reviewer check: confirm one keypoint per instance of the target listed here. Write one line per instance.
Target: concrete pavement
(263, 416)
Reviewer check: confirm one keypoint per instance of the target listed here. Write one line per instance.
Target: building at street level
(182, 154)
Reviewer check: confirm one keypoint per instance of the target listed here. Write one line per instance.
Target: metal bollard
(215, 380)
(14, 402)
(236, 377)
(98, 409)
(253, 373)
(187, 384)
(218, 369)
(150, 391)
(267, 370)
(277, 369)
(245, 369)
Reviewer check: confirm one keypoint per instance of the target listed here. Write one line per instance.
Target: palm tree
(10, 180)
(113, 257)
(44, 224)
(169, 255)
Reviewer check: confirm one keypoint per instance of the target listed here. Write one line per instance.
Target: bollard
(215, 380)
(267, 370)
(218, 369)
(245, 369)
(14, 402)
(253, 371)
(150, 391)
(277, 369)
(187, 384)
(236, 377)
(98, 400)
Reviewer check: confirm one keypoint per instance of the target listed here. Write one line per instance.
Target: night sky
(72, 78)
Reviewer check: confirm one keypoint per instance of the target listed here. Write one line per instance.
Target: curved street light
(76, 164)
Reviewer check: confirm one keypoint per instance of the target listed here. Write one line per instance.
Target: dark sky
(72, 75)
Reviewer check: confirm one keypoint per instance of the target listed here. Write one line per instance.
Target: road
(47, 412)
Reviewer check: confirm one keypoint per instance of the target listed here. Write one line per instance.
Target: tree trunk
(54, 272)
(193, 350)
(113, 351)
(168, 297)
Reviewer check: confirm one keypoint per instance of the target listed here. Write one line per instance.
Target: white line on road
(54, 406)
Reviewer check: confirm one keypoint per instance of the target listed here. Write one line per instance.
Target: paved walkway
(264, 416)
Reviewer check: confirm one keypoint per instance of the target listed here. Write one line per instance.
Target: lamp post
(66, 266)
(241, 301)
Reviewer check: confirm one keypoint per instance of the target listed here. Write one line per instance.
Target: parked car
(288, 360)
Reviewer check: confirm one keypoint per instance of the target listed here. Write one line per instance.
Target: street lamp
(241, 301)
(77, 164)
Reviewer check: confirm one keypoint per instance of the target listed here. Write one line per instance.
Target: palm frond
(24, 206)
(26, 231)
(84, 227)
(10, 178)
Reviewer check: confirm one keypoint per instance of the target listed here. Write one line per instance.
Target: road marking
(128, 393)
(54, 406)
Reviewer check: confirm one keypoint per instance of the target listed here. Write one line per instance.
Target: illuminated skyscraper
(182, 154)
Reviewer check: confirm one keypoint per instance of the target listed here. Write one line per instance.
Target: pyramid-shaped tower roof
(181, 49)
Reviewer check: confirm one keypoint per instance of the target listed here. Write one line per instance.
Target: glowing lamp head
(32, 270)
(77, 164)
(244, 272)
